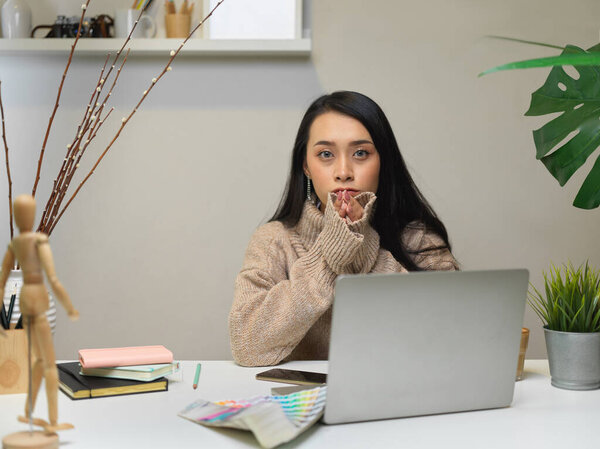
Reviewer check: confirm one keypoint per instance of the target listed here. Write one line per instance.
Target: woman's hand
(347, 206)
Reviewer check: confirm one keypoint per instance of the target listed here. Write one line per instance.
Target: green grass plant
(572, 301)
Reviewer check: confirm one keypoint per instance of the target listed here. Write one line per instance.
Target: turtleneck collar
(310, 224)
(312, 220)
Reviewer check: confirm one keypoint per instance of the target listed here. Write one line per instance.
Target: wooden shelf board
(197, 47)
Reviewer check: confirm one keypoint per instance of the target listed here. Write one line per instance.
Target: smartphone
(295, 377)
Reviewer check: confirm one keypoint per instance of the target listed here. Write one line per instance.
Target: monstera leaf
(578, 98)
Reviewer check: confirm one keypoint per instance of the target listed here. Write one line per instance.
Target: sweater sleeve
(273, 309)
(428, 249)
(350, 247)
(275, 305)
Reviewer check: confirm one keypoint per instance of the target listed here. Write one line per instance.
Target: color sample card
(273, 419)
(302, 406)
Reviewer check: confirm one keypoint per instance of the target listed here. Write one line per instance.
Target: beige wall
(150, 249)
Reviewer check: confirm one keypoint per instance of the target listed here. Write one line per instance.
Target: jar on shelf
(16, 19)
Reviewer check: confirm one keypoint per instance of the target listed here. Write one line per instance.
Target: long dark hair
(399, 201)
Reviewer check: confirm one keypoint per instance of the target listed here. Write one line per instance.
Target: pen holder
(13, 362)
(178, 25)
(522, 350)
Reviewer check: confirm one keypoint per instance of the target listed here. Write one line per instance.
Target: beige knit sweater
(284, 292)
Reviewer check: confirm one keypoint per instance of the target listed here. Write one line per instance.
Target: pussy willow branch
(72, 150)
(75, 159)
(94, 104)
(7, 165)
(72, 147)
(39, 168)
(49, 225)
(68, 169)
(125, 120)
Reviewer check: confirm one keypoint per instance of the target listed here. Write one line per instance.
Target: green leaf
(585, 91)
(588, 196)
(522, 41)
(578, 101)
(564, 59)
(572, 302)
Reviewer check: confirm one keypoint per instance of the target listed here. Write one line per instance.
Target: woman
(350, 206)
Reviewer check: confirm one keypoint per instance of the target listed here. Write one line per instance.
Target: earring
(308, 197)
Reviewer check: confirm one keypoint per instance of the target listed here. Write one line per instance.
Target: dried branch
(48, 230)
(75, 161)
(39, 169)
(125, 120)
(57, 184)
(70, 169)
(49, 223)
(72, 149)
(67, 170)
(10, 211)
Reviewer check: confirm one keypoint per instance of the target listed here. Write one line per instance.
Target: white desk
(541, 416)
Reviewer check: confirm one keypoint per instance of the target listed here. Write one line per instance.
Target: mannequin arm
(45, 255)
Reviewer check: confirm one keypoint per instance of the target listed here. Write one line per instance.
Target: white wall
(150, 249)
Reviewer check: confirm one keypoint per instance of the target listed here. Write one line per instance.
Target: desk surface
(540, 416)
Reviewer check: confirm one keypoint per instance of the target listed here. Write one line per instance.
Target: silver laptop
(423, 343)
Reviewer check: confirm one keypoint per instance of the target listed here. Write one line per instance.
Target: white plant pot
(13, 285)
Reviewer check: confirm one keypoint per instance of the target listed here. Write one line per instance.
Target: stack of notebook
(116, 371)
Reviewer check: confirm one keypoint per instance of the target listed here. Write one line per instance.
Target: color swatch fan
(273, 419)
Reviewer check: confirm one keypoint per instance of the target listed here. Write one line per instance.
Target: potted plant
(572, 88)
(570, 311)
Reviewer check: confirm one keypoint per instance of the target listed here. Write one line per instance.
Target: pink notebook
(136, 355)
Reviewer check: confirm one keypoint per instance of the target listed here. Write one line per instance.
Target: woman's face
(340, 155)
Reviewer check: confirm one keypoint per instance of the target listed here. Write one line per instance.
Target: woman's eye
(325, 154)
(361, 153)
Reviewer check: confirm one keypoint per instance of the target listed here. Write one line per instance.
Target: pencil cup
(13, 362)
(522, 350)
(178, 25)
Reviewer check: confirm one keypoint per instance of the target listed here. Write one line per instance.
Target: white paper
(253, 19)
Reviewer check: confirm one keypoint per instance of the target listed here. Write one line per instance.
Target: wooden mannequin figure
(32, 251)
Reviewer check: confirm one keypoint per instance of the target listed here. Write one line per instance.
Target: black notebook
(77, 386)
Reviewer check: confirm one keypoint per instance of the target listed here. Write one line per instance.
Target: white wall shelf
(149, 47)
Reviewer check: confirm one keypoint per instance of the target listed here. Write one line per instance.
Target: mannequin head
(24, 211)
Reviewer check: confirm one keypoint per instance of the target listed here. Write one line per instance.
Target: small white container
(16, 19)
(13, 286)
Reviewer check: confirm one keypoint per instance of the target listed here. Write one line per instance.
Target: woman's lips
(341, 193)
(350, 191)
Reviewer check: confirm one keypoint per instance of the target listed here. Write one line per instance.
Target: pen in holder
(178, 24)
